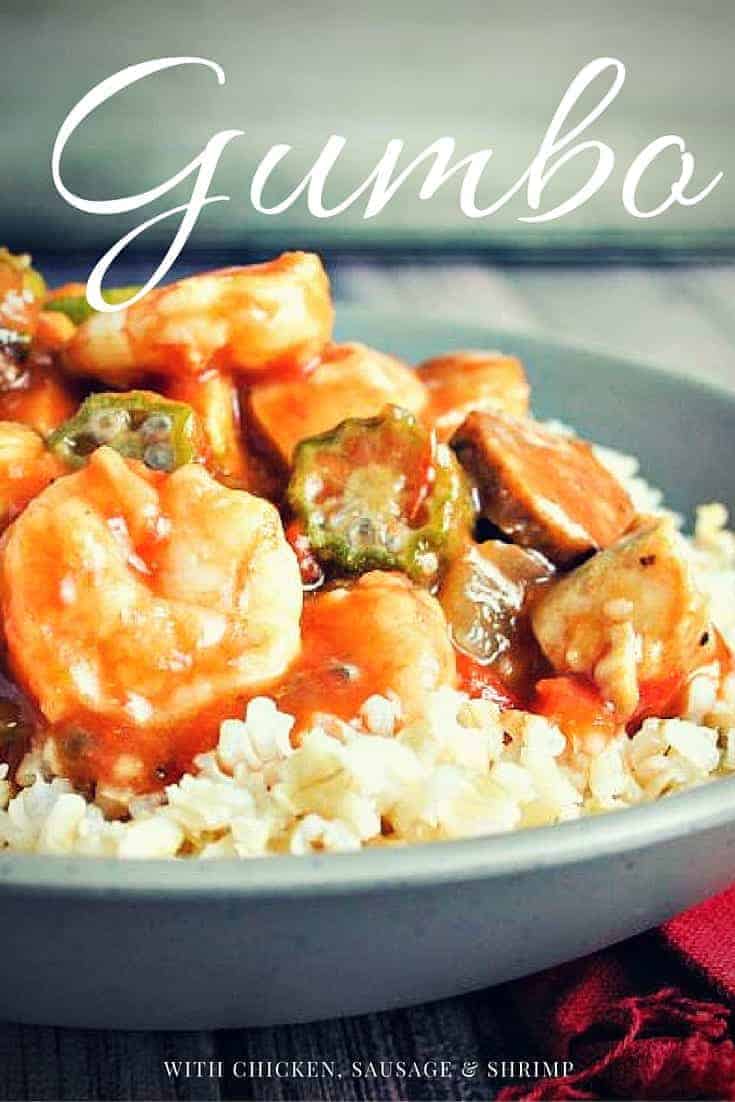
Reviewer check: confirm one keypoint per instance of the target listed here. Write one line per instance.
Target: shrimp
(138, 606)
(383, 634)
(350, 380)
(630, 618)
(26, 468)
(251, 320)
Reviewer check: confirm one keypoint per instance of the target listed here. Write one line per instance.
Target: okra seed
(107, 424)
(156, 427)
(361, 532)
(159, 457)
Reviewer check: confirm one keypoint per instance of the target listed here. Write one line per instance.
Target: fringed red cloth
(628, 1032)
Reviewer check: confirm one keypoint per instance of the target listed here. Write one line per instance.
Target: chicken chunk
(631, 616)
(350, 380)
(381, 635)
(461, 382)
(543, 490)
(243, 320)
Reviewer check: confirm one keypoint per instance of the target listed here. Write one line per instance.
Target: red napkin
(629, 1033)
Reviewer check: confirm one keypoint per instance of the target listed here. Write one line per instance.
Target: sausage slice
(543, 490)
(461, 382)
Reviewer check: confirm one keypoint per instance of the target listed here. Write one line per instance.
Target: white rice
(466, 769)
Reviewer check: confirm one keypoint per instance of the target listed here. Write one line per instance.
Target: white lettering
(556, 150)
(204, 165)
(645, 159)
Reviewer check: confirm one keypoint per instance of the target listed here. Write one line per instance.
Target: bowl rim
(531, 338)
(388, 868)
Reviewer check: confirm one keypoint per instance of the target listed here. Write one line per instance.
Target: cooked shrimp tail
(247, 320)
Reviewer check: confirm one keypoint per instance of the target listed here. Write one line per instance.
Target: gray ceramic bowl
(186, 945)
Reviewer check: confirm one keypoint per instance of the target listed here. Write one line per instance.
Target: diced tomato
(482, 681)
(663, 697)
(574, 704)
(312, 574)
(657, 698)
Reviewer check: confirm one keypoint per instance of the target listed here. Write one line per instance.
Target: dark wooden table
(681, 318)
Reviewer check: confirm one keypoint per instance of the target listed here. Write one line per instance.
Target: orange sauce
(574, 703)
(483, 681)
(285, 370)
(335, 672)
(665, 698)
(92, 750)
(41, 400)
(661, 698)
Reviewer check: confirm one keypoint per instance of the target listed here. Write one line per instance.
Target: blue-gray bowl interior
(682, 431)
